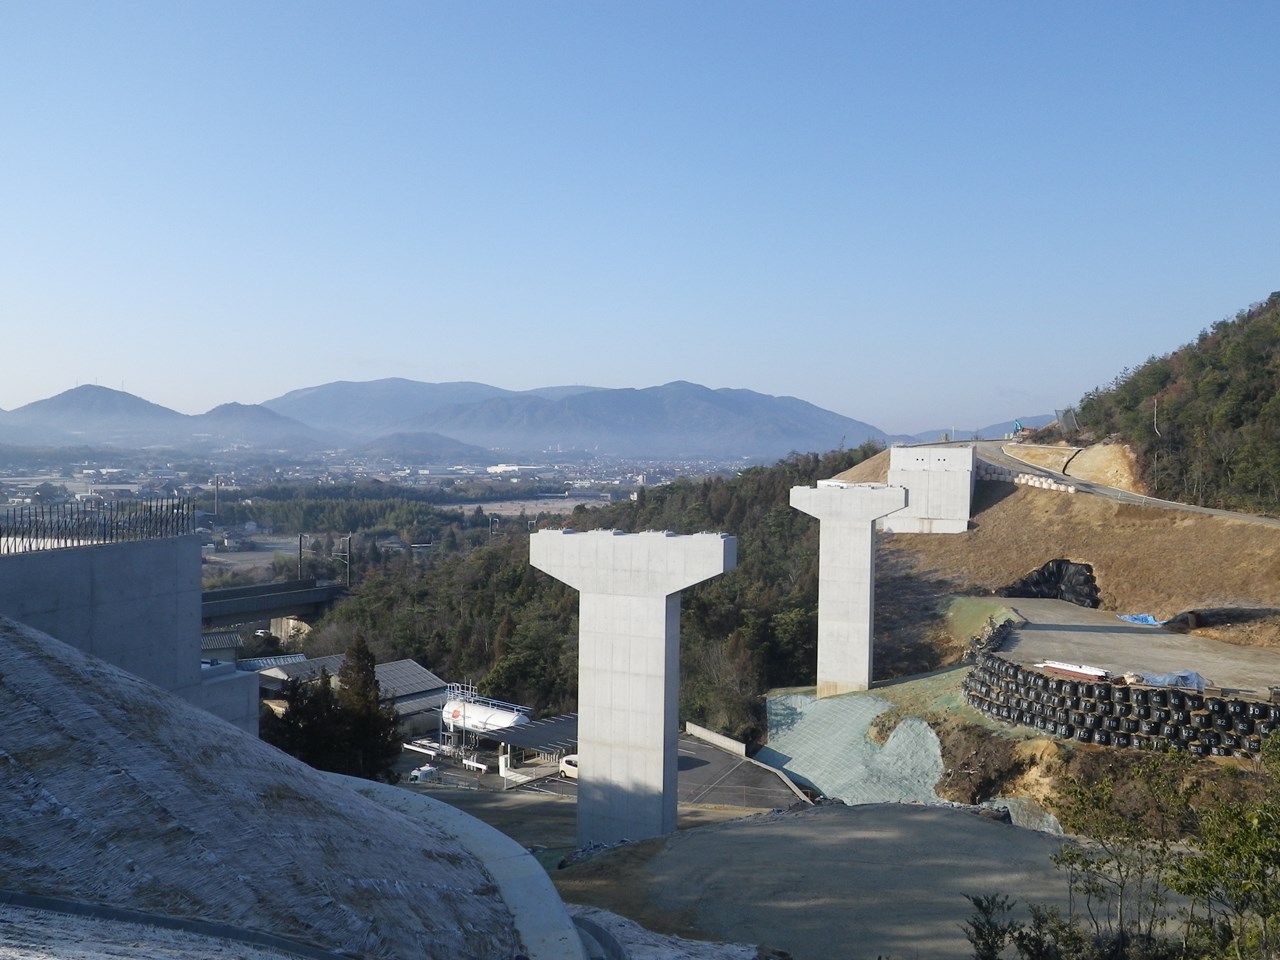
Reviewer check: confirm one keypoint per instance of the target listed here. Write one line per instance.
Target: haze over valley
(405, 420)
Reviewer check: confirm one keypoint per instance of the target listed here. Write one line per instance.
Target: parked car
(424, 774)
(569, 766)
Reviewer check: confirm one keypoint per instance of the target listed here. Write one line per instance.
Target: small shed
(221, 646)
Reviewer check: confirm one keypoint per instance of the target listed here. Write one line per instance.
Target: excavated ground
(933, 592)
(1146, 559)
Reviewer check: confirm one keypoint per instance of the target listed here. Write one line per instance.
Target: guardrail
(62, 526)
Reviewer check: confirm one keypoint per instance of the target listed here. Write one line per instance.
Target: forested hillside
(1205, 419)
(488, 616)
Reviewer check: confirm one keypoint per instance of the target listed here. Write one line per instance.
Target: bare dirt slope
(1145, 559)
(1109, 464)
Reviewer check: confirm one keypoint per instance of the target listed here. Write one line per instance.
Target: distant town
(135, 477)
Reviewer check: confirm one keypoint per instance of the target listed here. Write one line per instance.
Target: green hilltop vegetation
(486, 615)
(1204, 421)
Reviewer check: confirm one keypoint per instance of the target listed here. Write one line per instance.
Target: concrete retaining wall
(940, 484)
(728, 744)
(135, 605)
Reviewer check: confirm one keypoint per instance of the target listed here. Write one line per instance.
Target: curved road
(994, 452)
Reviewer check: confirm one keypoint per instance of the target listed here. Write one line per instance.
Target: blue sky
(920, 215)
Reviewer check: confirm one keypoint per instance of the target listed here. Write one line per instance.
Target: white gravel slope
(115, 792)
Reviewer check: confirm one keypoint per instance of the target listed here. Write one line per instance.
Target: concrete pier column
(628, 667)
(846, 575)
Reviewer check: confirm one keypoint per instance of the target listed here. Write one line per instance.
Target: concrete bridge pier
(628, 667)
(846, 575)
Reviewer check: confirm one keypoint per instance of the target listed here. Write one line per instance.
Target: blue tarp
(1186, 679)
(1145, 619)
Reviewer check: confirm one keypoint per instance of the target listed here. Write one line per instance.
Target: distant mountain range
(458, 422)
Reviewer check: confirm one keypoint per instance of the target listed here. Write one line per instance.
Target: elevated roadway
(304, 599)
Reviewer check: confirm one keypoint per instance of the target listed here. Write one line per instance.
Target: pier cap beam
(628, 667)
(846, 575)
(653, 563)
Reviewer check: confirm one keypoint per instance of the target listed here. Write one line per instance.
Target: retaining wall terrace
(1113, 714)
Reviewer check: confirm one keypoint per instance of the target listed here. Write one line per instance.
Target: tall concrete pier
(628, 667)
(846, 575)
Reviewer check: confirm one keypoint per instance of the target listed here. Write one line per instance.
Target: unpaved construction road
(826, 883)
(823, 883)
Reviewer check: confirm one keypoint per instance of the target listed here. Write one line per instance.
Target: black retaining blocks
(1111, 715)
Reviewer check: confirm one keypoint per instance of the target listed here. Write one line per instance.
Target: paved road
(1001, 453)
(858, 882)
(713, 785)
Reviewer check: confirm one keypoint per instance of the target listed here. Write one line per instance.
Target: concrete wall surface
(653, 563)
(135, 605)
(628, 668)
(727, 744)
(941, 482)
(228, 693)
(846, 576)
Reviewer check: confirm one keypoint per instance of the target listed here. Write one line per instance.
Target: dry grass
(1145, 559)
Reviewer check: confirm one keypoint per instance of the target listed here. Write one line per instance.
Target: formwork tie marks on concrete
(824, 744)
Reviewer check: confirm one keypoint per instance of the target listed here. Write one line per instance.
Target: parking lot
(713, 786)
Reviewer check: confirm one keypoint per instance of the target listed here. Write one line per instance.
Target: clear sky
(920, 215)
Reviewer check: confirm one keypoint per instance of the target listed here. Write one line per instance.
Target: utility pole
(345, 557)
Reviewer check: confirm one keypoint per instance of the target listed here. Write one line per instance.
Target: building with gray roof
(414, 692)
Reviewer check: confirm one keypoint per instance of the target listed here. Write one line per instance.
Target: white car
(569, 766)
(424, 774)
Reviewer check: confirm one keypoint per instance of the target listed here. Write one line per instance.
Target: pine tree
(372, 740)
(312, 726)
(344, 730)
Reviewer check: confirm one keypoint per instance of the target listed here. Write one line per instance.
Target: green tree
(990, 928)
(311, 727)
(341, 728)
(1205, 419)
(1133, 824)
(372, 739)
(1234, 872)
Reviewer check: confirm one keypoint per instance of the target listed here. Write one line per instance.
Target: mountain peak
(95, 403)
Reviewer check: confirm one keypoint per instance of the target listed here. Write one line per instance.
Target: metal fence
(59, 526)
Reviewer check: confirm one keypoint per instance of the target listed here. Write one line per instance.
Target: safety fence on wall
(60, 526)
(1119, 715)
